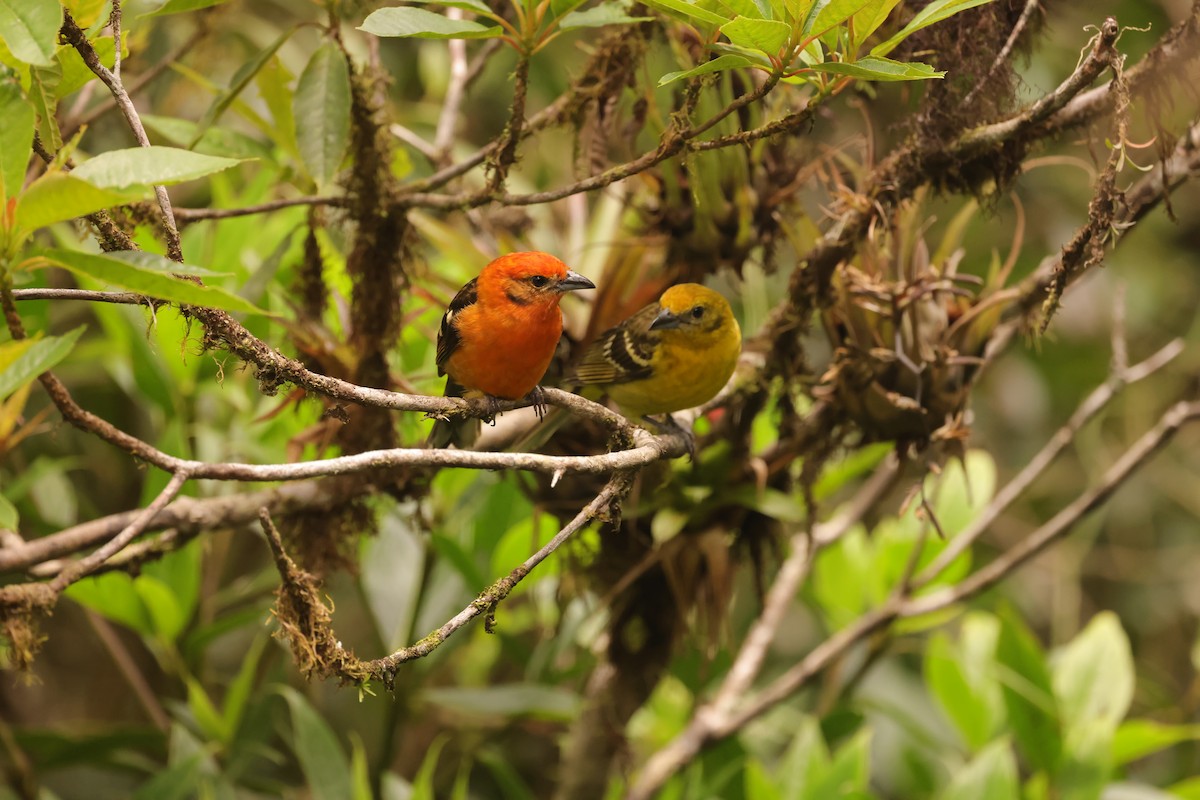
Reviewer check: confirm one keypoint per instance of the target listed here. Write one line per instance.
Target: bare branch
(1092, 405)
(196, 214)
(78, 39)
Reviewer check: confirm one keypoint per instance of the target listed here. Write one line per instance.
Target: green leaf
(508, 700)
(760, 34)
(1094, 674)
(30, 29)
(744, 8)
(1187, 789)
(43, 94)
(598, 17)
(393, 566)
(120, 270)
(38, 357)
(180, 6)
(827, 14)
(478, 6)
(211, 723)
(992, 775)
(113, 595)
(716, 65)
(406, 21)
(165, 612)
(214, 141)
(176, 782)
(873, 68)
(688, 9)
(322, 113)
(76, 74)
(847, 772)
(936, 11)
(16, 139)
(360, 770)
(318, 750)
(1086, 762)
(60, 196)
(422, 785)
(149, 166)
(9, 518)
(960, 676)
(239, 690)
(868, 19)
(1139, 738)
(1028, 696)
(241, 79)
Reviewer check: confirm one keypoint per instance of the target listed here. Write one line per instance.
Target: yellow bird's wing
(621, 354)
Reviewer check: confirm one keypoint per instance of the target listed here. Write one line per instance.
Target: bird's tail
(460, 432)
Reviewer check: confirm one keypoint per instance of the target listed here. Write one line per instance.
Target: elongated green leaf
(149, 166)
(16, 139)
(868, 19)
(180, 6)
(214, 141)
(1028, 696)
(744, 8)
(406, 21)
(508, 700)
(760, 34)
(992, 775)
(43, 88)
(688, 9)
(1139, 738)
(177, 782)
(322, 113)
(873, 68)
(1094, 675)
(59, 196)
(30, 29)
(120, 272)
(9, 519)
(478, 6)
(318, 750)
(716, 65)
(241, 79)
(36, 359)
(934, 12)
(598, 17)
(825, 15)
(960, 677)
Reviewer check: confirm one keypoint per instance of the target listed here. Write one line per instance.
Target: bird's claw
(537, 399)
(669, 425)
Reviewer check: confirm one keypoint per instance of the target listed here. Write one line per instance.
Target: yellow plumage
(671, 355)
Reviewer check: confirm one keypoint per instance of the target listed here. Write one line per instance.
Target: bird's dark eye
(539, 280)
(697, 312)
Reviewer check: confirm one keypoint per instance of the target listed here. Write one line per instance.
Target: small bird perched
(671, 355)
(500, 332)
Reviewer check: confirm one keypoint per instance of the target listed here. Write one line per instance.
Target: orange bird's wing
(448, 338)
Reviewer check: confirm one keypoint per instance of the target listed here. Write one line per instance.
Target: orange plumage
(500, 332)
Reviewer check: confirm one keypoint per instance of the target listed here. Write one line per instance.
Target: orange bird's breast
(505, 353)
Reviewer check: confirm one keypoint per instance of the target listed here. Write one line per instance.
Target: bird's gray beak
(664, 321)
(574, 282)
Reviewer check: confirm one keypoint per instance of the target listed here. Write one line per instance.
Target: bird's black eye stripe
(539, 280)
(697, 312)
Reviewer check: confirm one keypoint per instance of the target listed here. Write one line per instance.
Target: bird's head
(695, 310)
(531, 279)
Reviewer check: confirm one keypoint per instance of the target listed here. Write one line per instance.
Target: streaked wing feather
(448, 338)
(623, 353)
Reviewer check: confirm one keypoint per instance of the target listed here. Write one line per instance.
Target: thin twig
(456, 88)
(612, 493)
(1092, 405)
(1031, 7)
(195, 214)
(85, 566)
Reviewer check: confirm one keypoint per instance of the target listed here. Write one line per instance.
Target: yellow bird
(671, 355)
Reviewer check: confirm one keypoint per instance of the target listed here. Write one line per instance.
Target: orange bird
(500, 332)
